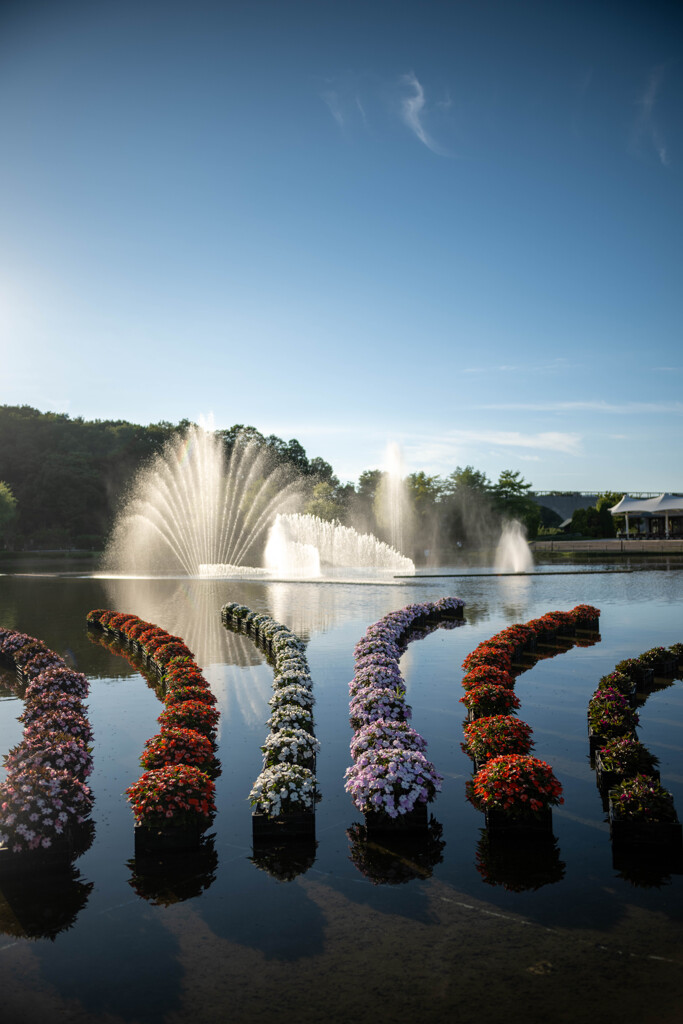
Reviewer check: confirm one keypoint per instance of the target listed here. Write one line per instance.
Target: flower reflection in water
(174, 876)
(396, 860)
(285, 861)
(517, 864)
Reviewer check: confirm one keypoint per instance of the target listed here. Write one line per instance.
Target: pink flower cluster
(45, 793)
(390, 773)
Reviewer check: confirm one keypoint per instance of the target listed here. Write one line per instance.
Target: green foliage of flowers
(610, 714)
(627, 757)
(617, 681)
(642, 798)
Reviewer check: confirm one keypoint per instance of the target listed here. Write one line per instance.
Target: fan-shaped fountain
(299, 545)
(191, 509)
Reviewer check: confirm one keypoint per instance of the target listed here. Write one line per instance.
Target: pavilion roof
(663, 503)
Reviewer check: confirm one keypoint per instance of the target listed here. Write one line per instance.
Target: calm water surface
(445, 931)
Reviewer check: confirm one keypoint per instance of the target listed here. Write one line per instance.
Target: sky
(454, 226)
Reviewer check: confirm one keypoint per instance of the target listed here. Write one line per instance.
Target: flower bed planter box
(587, 625)
(294, 823)
(644, 677)
(607, 780)
(667, 667)
(413, 821)
(666, 835)
(169, 838)
(453, 613)
(598, 740)
(56, 857)
(522, 825)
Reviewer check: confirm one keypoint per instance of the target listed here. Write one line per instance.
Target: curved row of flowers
(176, 790)
(627, 771)
(287, 785)
(45, 795)
(391, 777)
(507, 777)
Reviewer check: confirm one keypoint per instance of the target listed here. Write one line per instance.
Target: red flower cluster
(176, 794)
(188, 728)
(511, 779)
(496, 735)
(515, 782)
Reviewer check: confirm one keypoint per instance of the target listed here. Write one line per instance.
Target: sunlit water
(330, 944)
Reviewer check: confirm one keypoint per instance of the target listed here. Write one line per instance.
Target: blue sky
(453, 225)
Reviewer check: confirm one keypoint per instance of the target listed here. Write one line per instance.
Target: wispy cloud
(331, 98)
(552, 367)
(412, 108)
(630, 408)
(645, 127)
(433, 448)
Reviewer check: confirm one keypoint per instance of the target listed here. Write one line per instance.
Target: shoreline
(609, 547)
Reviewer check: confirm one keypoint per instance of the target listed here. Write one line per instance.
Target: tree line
(62, 480)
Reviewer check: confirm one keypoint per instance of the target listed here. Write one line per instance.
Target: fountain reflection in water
(300, 545)
(513, 553)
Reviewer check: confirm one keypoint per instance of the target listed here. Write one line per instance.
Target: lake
(346, 931)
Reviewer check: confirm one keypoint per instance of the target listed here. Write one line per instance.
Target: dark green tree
(511, 500)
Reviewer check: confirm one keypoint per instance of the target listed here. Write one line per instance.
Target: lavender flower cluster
(391, 773)
(45, 792)
(287, 782)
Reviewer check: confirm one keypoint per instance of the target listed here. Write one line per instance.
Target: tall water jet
(190, 507)
(298, 542)
(393, 507)
(513, 553)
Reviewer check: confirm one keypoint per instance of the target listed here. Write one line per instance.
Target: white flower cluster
(284, 788)
(285, 784)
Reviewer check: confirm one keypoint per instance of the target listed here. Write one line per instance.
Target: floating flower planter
(512, 823)
(44, 797)
(284, 825)
(642, 813)
(56, 857)
(172, 838)
(415, 820)
(516, 792)
(607, 779)
(598, 738)
(643, 833)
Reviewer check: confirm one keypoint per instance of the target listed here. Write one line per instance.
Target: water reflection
(396, 860)
(173, 877)
(647, 868)
(284, 861)
(41, 904)
(517, 864)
